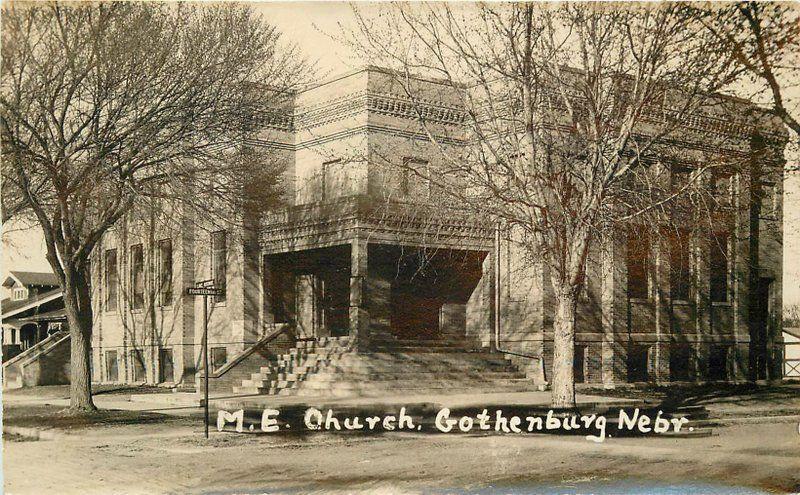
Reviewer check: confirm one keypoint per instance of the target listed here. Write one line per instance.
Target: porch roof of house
(55, 315)
(11, 307)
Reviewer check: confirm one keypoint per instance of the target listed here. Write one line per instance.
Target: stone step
(297, 358)
(271, 382)
(430, 357)
(423, 348)
(329, 367)
(411, 366)
(335, 373)
(416, 375)
(384, 388)
(437, 343)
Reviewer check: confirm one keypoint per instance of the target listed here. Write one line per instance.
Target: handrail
(38, 348)
(253, 348)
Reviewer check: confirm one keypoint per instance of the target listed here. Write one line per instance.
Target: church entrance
(429, 289)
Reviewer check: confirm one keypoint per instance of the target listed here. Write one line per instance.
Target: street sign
(204, 291)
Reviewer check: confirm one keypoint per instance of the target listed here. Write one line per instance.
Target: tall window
(680, 178)
(637, 255)
(219, 265)
(415, 183)
(137, 362)
(112, 369)
(112, 279)
(165, 271)
(166, 371)
(721, 187)
(679, 266)
(719, 267)
(333, 179)
(137, 276)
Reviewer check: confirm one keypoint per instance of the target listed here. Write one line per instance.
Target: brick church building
(365, 283)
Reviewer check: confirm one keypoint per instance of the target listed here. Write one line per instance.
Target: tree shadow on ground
(51, 416)
(718, 395)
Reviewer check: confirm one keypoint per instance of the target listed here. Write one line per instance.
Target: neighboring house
(34, 311)
(356, 257)
(791, 341)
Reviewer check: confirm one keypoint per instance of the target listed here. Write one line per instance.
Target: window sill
(640, 300)
(682, 302)
(721, 304)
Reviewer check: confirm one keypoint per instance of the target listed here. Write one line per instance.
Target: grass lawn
(62, 391)
(50, 416)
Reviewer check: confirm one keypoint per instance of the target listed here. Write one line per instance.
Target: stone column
(705, 327)
(359, 314)
(479, 307)
(188, 264)
(251, 288)
(742, 277)
(267, 274)
(658, 363)
(613, 301)
(307, 309)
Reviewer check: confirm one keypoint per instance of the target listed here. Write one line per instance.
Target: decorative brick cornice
(700, 131)
(376, 129)
(321, 221)
(358, 102)
(437, 112)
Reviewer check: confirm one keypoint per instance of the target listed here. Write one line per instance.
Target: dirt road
(176, 459)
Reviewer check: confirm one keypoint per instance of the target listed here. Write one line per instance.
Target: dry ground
(171, 456)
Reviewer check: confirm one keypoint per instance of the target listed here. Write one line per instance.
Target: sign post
(205, 288)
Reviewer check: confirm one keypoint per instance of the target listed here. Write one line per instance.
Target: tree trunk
(79, 318)
(563, 382)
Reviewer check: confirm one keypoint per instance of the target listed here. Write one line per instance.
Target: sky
(314, 27)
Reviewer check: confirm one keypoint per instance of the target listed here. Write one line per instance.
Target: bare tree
(105, 106)
(764, 38)
(568, 117)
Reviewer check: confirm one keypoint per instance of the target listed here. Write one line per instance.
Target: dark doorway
(637, 363)
(759, 329)
(680, 359)
(28, 335)
(718, 363)
(166, 372)
(426, 287)
(310, 290)
(415, 314)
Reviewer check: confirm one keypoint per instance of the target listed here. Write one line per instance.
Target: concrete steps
(330, 368)
(291, 368)
(376, 388)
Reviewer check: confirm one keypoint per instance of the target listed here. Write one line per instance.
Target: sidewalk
(183, 403)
